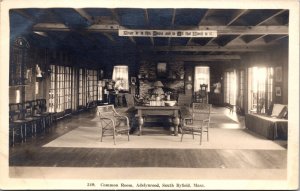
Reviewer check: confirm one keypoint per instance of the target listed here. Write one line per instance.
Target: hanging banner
(169, 33)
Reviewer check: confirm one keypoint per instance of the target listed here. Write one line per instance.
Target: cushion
(277, 108)
(286, 115)
(283, 113)
(269, 111)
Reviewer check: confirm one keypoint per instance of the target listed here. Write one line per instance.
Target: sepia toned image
(122, 95)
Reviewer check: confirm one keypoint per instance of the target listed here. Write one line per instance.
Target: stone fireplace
(173, 81)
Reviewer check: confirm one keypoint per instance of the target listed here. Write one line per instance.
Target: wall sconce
(189, 78)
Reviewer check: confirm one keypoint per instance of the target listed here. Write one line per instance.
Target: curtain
(120, 76)
(260, 88)
(202, 76)
(230, 87)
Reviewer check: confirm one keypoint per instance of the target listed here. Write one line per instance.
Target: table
(144, 111)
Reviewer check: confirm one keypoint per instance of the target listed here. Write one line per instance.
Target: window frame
(207, 78)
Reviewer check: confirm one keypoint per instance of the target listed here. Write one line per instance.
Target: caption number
(90, 184)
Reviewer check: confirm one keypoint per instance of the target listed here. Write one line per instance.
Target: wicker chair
(199, 122)
(112, 123)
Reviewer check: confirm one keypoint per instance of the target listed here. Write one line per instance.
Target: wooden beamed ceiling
(239, 30)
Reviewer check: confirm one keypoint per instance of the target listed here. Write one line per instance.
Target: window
(202, 76)
(52, 89)
(60, 89)
(68, 88)
(92, 85)
(100, 90)
(120, 76)
(230, 87)
(242, 88)
(260, 90)
(60, 92)
(82, 89)
(18, 96)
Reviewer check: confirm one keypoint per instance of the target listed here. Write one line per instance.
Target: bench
(272, 127)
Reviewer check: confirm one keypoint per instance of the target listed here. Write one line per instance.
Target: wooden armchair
(184, 102)
(112, 123)
(201, 96)
(16, 125)
(199, 122)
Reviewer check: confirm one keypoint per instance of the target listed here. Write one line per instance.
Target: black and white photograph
(155, 95)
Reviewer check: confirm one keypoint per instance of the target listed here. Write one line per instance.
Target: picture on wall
(161, 70)
(278, 74)
(133, 80)
(278, 91)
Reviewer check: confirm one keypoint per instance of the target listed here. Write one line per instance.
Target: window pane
(120, 76)
(261, 88)
(230, 87)
(202, 76)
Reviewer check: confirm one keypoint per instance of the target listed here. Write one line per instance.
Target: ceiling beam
(212, 39)
(172, 24)
(132, 39)
(24, 14)
(253, 39)
(222, 30)
(237, 15)
(109, 36)
(169, 41)
(258, 24)
(173, 17)
(207, 12)
(271, 17)
(247, 30)
(50, 27)
(146, 17)
(115, 15)
(269, 39)
(103, 28)
(207, 48)
(199, 24)
(152, 41)
(197, 58)
(189, 41)
(85, 15)
(147, 23)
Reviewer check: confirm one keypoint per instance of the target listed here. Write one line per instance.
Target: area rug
(89, 137)
(217, 116)
(221, 118)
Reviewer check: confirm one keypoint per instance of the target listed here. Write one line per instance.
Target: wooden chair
(131, 100)
(201, 96)
(40, 109)
(131, 112)
(184, 102)
(27, 115)
(16, 127)
(199, 122)
(112, 122)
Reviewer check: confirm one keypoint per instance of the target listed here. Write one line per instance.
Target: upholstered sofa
(272, 126)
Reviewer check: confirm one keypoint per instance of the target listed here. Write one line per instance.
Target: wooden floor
(33, 154)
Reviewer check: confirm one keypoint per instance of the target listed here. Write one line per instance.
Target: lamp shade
(158, 91)
(158, 84)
